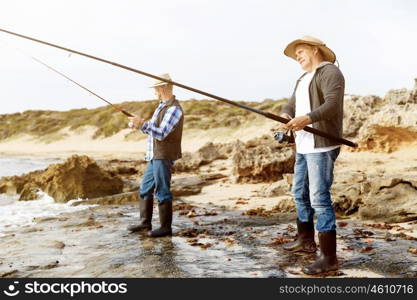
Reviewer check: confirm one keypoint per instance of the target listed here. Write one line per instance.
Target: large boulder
(381, 124)
(349, 191)
(78, 177)
(377, 198)
(377, 138)
(262, 160)
(186, 186)
(390, 200)
(357, 111)
(205, 155)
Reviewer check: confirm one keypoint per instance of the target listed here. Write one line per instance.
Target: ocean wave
(14, 213)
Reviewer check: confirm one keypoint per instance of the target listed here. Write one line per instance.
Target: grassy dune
(199, 114)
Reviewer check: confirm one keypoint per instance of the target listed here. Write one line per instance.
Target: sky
(233, 49)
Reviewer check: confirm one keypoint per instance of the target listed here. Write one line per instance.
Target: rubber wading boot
(145, 221)
(305, 240)
(165, 218)
(327, 260)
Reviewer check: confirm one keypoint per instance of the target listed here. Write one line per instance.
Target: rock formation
(262, 160)
(205, 155)
(259, 160)
(381, 125)
(77, 177)
(392, 199)
(385, 199)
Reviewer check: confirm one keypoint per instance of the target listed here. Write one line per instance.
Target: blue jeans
(157, 179)
(313, 177)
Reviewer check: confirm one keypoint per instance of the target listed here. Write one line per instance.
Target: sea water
(10, 166)
(14, 213)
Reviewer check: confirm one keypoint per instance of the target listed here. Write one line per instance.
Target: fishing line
(71, 80)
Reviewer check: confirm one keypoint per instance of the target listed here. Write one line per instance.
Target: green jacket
(327, 89)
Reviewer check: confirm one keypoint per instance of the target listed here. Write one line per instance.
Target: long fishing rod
(83, 87)
(265, 114)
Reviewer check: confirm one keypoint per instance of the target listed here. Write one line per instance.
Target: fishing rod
(83, 87)
(260, 112)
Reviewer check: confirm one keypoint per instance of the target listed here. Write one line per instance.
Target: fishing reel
(286, 137)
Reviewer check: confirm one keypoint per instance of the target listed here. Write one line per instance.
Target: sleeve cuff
(145, 127)
(313, 116)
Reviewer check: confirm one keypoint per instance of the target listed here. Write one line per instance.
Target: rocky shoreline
(210, 242)
(381, 196)
(222, 208)
(233, 208)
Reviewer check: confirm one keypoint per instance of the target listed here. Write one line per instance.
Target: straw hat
(328, 54)
(160, 82)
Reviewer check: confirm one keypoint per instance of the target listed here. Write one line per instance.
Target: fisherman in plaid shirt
(164, 132)
(171, 118)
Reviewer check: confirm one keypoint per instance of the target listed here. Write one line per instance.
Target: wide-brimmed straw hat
(160, 82)
(328, 54)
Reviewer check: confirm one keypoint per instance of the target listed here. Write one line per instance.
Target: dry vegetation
(199, 114)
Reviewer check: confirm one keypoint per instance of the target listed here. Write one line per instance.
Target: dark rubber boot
(327, 260)
(305, 240)
(145, 221)
(165, 218)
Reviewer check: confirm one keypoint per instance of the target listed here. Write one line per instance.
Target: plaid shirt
(168, 124)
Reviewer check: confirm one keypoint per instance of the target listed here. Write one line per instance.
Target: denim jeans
(313, 177)
(157, 179)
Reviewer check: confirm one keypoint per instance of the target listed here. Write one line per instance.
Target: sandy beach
(118, 146)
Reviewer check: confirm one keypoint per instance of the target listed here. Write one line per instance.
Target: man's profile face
(158, 92)
(304, 55)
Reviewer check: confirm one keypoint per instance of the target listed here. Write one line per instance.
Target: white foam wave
(15, 213)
